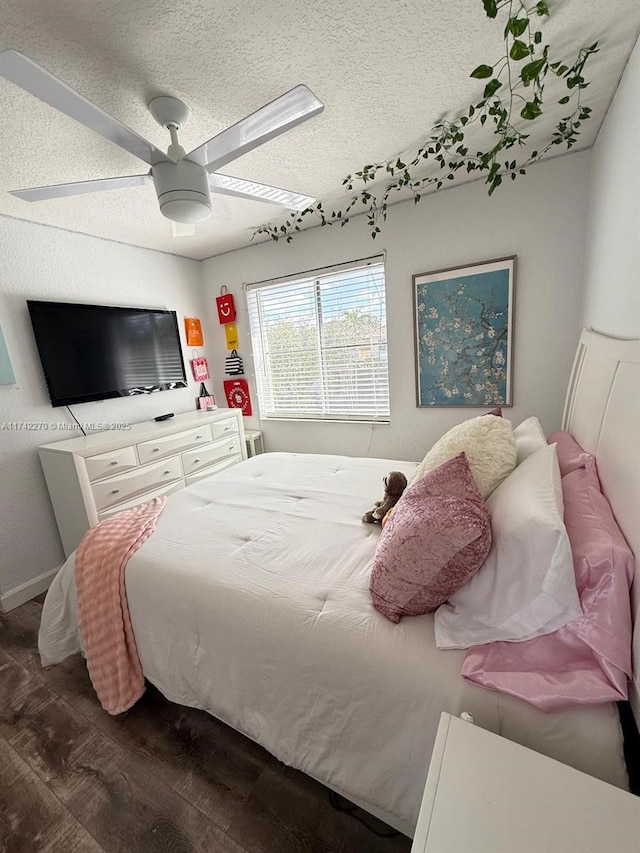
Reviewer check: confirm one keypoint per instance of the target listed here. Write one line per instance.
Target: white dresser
(93, 477)
(486, 794)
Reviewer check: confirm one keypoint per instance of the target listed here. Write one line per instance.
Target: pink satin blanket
(103, 614)
(587, 661)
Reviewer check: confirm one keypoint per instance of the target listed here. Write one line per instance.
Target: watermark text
(62, 426)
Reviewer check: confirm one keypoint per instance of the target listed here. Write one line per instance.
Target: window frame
(314, 278)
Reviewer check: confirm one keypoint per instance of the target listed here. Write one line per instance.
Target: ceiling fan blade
(226, 185)
(182, 229)
(80, 187)
(31, 77)
(269, 121)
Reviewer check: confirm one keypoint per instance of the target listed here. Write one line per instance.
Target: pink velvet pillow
(437, 538)
(570, 455)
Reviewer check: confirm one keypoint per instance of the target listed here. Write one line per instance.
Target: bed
(250, 601)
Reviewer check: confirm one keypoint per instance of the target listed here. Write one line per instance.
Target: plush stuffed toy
(394, 485)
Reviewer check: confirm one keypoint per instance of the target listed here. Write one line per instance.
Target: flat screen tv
(94, 352)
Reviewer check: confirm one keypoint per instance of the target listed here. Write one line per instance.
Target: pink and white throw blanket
(103, 614)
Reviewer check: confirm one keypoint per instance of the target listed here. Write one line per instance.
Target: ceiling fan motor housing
(183, 190)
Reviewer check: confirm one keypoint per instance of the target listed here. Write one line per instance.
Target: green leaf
(490, 7)
(481, 72)
(531, 70)
(519, 50)
(537, 37)
(542, 8)
(492, 87)
(518, 25)
(495, 183)
(564, 100)
(530, 111)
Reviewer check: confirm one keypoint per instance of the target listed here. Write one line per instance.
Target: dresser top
(126, 434)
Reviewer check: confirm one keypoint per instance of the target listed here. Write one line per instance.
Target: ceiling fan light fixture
(180, 207)
(182, 181)
(183, 190)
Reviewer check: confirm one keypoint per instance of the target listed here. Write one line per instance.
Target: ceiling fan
(183, 182)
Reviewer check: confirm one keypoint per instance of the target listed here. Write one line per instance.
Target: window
(320, 344)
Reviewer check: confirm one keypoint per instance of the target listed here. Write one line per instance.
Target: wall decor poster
(464, 334)
(233, 364)
(226, 306)
(7, 376)
(193, 331)
(200, 369)
(237, 393)
(231, 335)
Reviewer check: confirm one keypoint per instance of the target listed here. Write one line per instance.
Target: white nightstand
(255, 442)
(485, 794)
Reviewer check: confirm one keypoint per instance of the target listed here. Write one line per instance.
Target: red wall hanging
(237, 393)
(226, 306)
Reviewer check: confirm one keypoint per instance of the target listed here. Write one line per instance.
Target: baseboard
(26, 591)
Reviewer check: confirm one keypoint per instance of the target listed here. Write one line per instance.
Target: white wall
(612, 260)
(38, 262)
(541, 218)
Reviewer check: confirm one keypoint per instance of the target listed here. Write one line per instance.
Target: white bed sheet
(251, 601)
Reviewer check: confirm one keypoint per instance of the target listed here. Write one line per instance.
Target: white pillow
(526, 586)
(529, 437)
(490, 447)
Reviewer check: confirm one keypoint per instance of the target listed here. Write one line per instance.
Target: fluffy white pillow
(529, 437)
(490, 447)
(526, 586)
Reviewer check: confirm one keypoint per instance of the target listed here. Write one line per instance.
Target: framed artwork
(464, 334)
(7, 376)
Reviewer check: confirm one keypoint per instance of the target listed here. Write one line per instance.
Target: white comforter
(251, 601)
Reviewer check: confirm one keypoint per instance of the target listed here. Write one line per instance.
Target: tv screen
(93, 352)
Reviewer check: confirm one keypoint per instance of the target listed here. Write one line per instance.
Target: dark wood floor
(159, 778)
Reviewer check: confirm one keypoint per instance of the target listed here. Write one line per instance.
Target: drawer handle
(115, 462)
(168, 471)
(195, 461)
(114, 491)
(155, 449)
(198, 437)
(231, 446)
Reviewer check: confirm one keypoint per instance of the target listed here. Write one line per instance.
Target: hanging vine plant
(514, 89)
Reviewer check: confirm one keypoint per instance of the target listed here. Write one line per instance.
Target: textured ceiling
(386, 70)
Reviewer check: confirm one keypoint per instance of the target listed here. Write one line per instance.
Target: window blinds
(320, 344)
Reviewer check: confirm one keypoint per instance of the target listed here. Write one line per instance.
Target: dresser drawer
(219, 466)
(118, 490)
(194, 460)
(223, 429)
(168, 445)
(107, 464)
(141, 499)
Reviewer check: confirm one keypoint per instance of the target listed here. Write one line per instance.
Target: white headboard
(602, 412)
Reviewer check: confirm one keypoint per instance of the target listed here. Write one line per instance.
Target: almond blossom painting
(464, 328)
